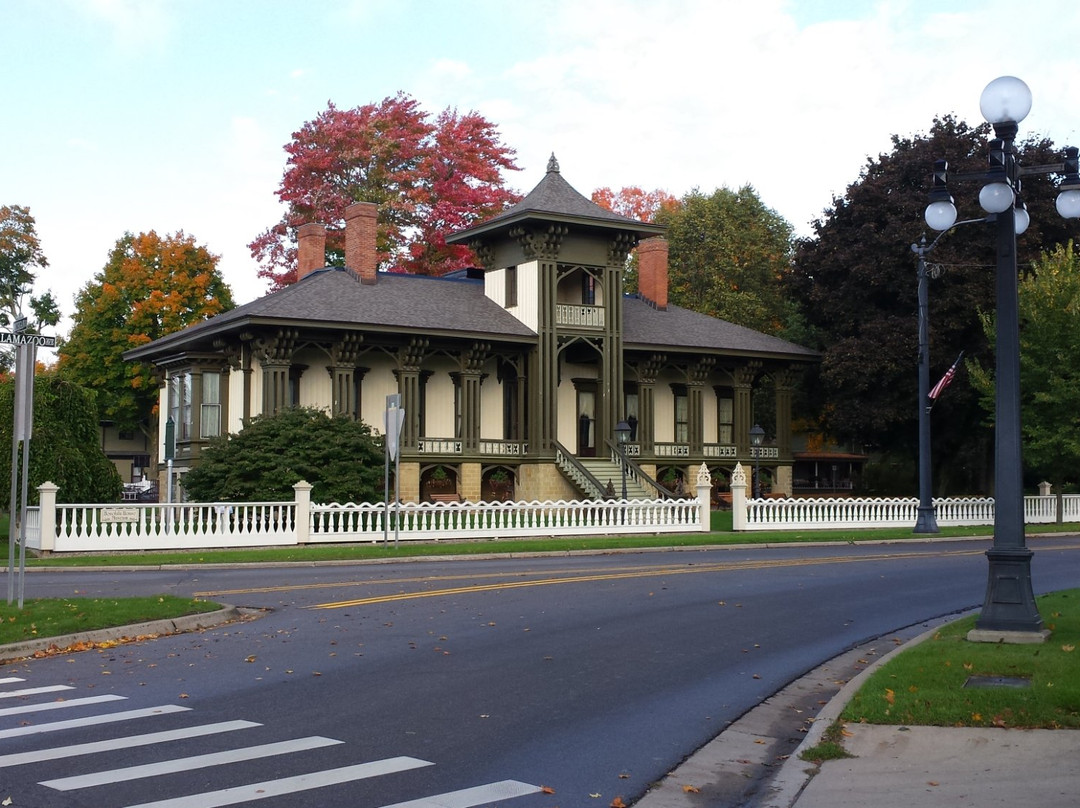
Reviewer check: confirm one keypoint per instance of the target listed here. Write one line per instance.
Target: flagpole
(926, 521)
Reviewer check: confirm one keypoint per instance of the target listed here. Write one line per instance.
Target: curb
(796, 773)
(178, 625)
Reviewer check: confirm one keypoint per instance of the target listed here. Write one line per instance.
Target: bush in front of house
(340, 457)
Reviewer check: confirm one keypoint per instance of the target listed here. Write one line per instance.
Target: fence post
(302, 515)
(738, 498)
(47, 502)
(704, 497)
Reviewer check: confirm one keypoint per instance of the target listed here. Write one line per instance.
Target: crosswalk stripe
(33, 691)
(289, 785)
(90, 720)
(150, 738)
(10, 680)
(60, 705)
(188, 763)
(469, 797)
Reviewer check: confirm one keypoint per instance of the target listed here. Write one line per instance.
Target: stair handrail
(620, 458)
(580, 476)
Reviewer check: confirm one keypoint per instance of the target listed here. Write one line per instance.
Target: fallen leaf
(595, 796)
(618, 803)
(1068, 648)
(890, 696)
(547, 790)
(691, 790)
(932, 782)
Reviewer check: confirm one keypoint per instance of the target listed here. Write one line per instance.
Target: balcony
(579, 316)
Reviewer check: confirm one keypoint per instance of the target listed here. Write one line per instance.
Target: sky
(171, 115)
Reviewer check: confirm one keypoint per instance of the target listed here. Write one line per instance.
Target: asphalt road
(483, 682)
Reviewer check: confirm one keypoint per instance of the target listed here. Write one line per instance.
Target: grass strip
(925, 684)
(54, 617)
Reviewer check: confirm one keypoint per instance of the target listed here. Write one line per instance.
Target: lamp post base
(1009, 613)
(926, 521)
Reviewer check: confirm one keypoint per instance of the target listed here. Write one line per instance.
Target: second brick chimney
(653, 271)
(311, 248)
(360, 227)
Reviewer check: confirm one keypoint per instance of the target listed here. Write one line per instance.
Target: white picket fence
(133, 527)
(825, 513)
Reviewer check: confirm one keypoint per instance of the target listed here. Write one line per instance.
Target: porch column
(784, 382)
(275, 387)
(695, 403)
(647, 374)
(472, 363)
(409, 358)
(744, 414)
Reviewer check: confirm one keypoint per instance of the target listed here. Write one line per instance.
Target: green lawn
(53, 617)
(925, 684)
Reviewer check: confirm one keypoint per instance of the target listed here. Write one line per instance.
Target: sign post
(393, 420)
(23, 422)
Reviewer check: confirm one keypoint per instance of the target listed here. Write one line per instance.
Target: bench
(445, 497)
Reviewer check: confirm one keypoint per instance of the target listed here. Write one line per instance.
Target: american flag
(939, 388)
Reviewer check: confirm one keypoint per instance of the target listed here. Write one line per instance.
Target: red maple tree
(428, 178)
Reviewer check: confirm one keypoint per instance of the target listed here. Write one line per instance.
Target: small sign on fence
(119, 515)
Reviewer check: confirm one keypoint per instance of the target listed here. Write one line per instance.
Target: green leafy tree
(65, 445)
(151, 286)
(855, 283)
(20, 255)
(727, 257)
(1049, 367)
(339, 457)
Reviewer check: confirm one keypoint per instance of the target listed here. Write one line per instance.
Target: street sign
(40, 340)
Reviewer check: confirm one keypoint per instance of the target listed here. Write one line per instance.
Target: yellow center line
(653, 572)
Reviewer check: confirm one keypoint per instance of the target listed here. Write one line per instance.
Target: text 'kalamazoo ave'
(7, 338)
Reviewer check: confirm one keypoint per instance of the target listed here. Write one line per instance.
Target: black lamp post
(622, 435)
(1009, 611)
(757, 435)
(926, 521)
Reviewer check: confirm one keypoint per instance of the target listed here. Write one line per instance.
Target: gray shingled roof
(334, 297)
(554, 199)
(645, 327)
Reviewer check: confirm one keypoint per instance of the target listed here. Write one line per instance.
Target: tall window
(511, 287)
(725, 415)
(682, 414)
(588, 289)
(183, 426)
(210, 417)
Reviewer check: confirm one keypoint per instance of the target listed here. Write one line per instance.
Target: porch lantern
(622, 435)
(757, 435)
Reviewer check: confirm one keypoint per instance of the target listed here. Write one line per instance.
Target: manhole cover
(997, 681)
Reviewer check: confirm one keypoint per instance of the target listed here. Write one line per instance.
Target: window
(183, 426)
(588, 289)
(174, 398)
(210, 417)
(510, 293)
(682, 414)
(725, 415)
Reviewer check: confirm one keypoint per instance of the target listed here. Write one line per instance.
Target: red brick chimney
(311, 248)
(653, 271)
(360, 225)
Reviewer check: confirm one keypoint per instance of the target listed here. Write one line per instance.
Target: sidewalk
(893, 767)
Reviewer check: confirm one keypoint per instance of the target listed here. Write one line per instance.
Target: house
(518, 370)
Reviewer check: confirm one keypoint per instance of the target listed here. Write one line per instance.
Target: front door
(586, 426)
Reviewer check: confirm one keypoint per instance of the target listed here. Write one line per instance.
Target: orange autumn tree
(151, 286)
(634, 202)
